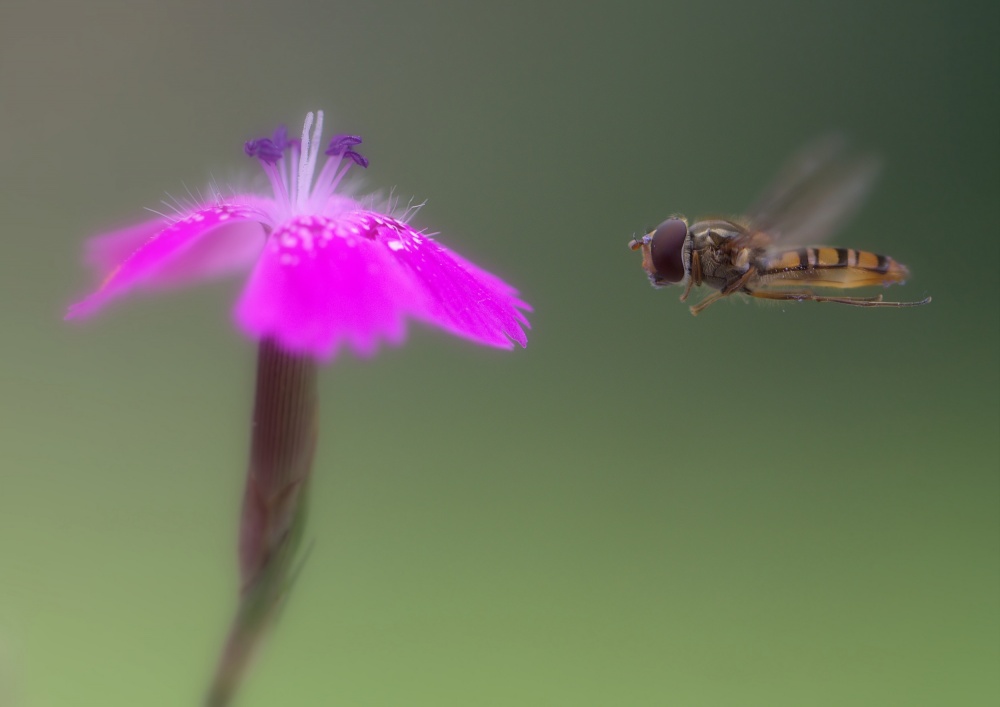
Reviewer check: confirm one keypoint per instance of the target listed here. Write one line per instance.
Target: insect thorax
(720, 262)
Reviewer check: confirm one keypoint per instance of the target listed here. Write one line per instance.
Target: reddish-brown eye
(665, 249)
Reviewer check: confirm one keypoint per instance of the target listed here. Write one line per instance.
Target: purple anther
(357, 158)
(270, 149)
(340, 143)
(263, 149)
(281, 140)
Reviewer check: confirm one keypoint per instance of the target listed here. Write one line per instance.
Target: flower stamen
(334, 170)
(340, 145)
(263, 149)
(270, 151)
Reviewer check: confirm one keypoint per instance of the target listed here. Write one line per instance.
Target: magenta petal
(321, 283)
(207, 242)
(106, 252)
(494, 282)
(458, 297)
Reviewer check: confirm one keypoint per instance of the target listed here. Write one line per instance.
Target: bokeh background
(766, 505)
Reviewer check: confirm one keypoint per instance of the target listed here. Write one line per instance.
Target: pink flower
(327, 267)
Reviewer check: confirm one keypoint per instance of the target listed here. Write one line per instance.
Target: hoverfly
(765, 254)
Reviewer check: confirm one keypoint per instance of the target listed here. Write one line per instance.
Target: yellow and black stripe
(831, 267)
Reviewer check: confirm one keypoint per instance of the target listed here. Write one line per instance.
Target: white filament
(314, 145)
(305, 174)
(309, 155)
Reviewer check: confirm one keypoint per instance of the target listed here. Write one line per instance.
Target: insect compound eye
(665, 249)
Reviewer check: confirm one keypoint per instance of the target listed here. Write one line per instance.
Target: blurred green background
(766, 505)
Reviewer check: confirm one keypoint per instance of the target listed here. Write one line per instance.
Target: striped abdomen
(829, 267)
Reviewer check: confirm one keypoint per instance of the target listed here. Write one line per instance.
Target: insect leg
(736, 285)
(875, 301)
(712, 298)
(739, 282)
(694, 278)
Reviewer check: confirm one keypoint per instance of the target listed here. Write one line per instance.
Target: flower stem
(283, 439)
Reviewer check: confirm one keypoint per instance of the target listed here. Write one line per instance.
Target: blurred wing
(816, 192)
